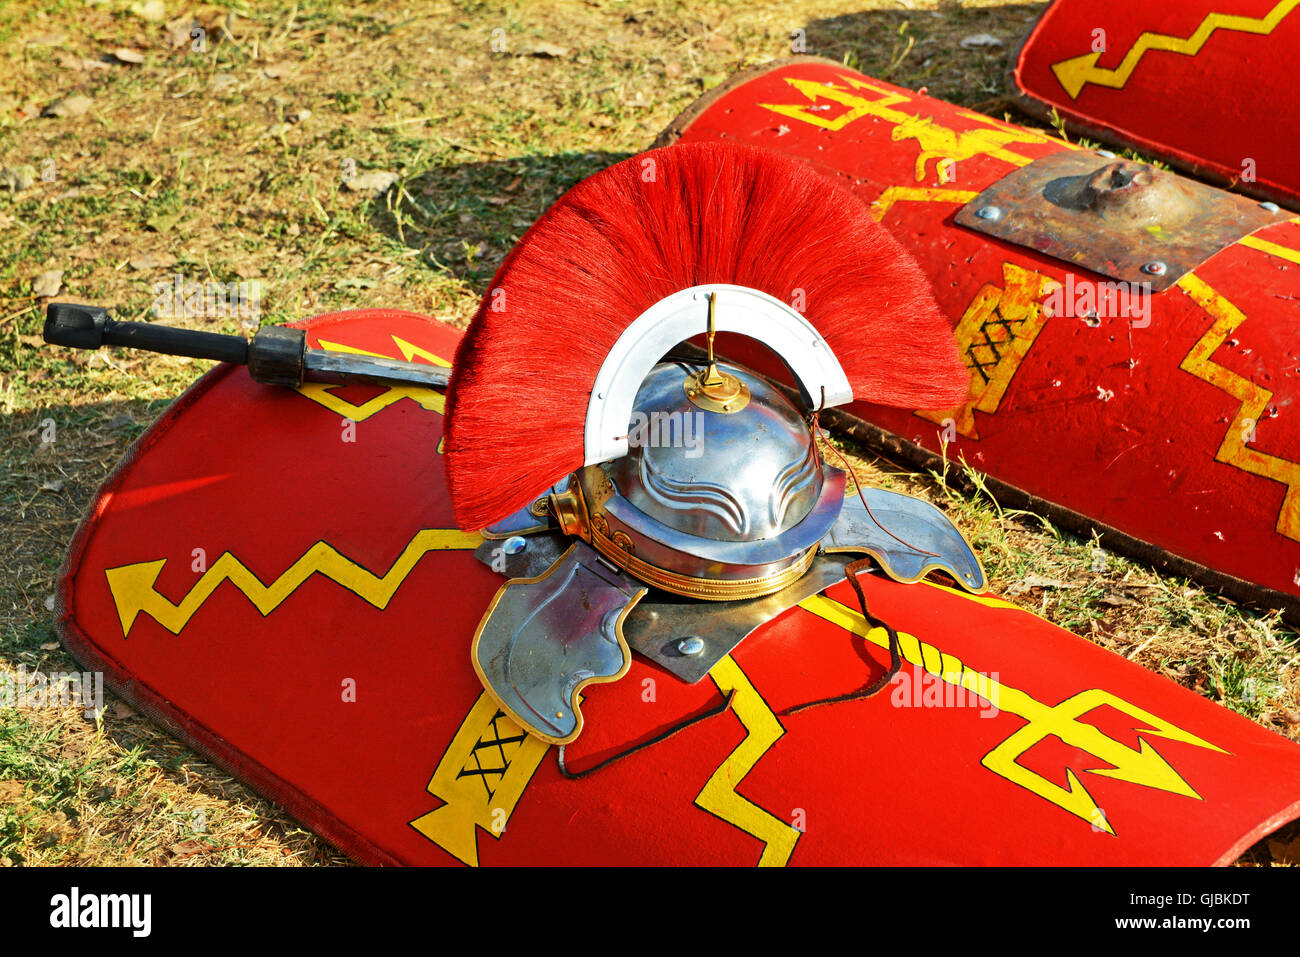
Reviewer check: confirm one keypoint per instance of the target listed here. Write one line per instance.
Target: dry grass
(227, 164)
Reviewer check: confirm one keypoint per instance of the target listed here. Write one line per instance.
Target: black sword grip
(88, 327)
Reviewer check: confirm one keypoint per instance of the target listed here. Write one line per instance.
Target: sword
(276, 355)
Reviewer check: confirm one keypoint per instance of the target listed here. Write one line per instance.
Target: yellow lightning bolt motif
(427, 398)
(409, 351)
(858, 106)
(1144, 766)
(1076, 73)
(994, 335)
(719, 795)
(918, 194)
(1254, 400)
(1273, 249)
(480, 779)
(133, 589)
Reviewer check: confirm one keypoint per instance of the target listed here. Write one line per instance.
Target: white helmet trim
(681, 316)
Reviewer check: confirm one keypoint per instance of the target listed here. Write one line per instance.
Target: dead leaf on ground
(1035, 581)
(185, 849)
(153, 261)
(86, 64)
(77, 105)
(717, 43)
(163, 222)
(151, 10)
(1285, 852)
(48, 283)
(179, 31)
(61, 832)
(375, 182)
(123, 55)
(213, 18)
(18, 178)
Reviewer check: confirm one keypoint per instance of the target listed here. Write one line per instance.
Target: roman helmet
(702, 505)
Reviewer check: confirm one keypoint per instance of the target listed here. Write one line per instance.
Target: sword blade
(320, 365)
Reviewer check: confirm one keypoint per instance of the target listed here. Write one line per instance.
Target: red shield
(274, 577)
(1174, 433)
(1206, 84)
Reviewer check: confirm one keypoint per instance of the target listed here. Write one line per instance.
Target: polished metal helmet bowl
(722, 494)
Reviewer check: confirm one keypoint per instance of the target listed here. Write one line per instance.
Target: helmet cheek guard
(702, 480)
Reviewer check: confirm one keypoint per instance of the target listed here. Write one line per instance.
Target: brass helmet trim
(570, 510)
(709, 589)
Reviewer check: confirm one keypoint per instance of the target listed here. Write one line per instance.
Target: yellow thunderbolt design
(918, 194)
(1254, 401)
(1077, 72)
(480, 779)
(1273, 249)
(1144, 766)
(994, 335)
(488, 765)
(132, 585)
(134, 593)
(719, 795)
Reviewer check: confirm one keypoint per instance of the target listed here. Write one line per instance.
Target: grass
(228, 163)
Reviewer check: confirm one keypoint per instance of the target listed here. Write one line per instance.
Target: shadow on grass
(915, 48)
(464, 218)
